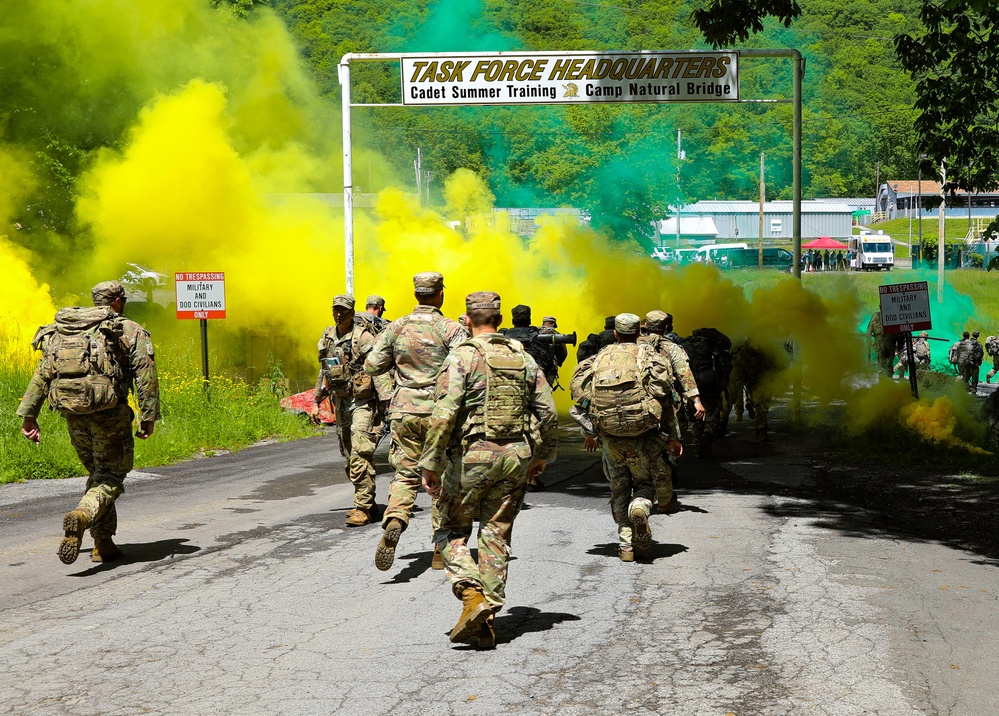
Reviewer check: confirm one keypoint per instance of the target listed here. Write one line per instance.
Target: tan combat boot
(74, 524)
(476, 610)
(627, 554)
(641, 535)
(385, 552)
(438, 561)
(105, 550)
(358, 517)
(487, 634)
(669, 506)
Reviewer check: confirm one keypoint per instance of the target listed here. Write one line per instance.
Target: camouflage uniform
(884, 345)
(970, 355)
(355, 402)
(921, 352)
(488, 475)
(684, 391)
(992, 348)
(104, 441)
(415, 347)
(709, 352)
(632, 463)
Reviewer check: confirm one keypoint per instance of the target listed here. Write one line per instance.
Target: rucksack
(709, 354)
(952, 353)
(85, 357)
(992, 345)
(543, 355)
(977, 353)
(621, 402)
(503, 414)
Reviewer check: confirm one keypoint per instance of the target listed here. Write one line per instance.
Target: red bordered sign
(200, 294)
(905, 307)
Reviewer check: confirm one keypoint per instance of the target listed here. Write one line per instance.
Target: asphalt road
(243, 592)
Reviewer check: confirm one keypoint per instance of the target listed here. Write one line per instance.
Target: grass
(232, 415)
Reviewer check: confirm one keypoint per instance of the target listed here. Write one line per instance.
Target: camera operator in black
(523, 331)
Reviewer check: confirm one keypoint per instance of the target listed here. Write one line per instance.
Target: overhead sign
(569, 78)
(905, 307)
(200, 295)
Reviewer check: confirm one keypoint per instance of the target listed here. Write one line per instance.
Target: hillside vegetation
(619, 161)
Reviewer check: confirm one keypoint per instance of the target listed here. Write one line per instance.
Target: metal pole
(763, 198)
(919, 205)
(912, 365)
(799, 73)
(204, 351)
(348, 179)
(941, 234)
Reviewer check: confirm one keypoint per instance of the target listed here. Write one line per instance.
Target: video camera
(556, 339)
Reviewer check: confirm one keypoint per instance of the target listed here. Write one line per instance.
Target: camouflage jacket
(354, 346)
(678, 358)
(415, 347)
(461, 390)
(140, 371)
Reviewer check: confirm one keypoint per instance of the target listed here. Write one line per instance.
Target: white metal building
(740, 220)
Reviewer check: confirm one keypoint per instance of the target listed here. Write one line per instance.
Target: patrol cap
(375, 300)
(609, 323)
(343, 301)
(975, 334)
(105, 293)
(965, 335)
(924, 334)
(551, 320)
(482, 299)
(428, 283)
(626, 323)
(520, 311)
(655, 320)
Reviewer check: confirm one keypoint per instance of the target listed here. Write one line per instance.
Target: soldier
(626, 392)
(753, 370)
(549, 326)
(884, 345)
(971, 355)
(415, 347)
(709, 352)
(543, 355)
(992, 348)
(596, 341)
(489, 394)
(374, 309)
(342, 350)
(921, 353)
(91, 357)
(684, 386)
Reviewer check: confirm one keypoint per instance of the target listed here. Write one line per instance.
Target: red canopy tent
(824, 242)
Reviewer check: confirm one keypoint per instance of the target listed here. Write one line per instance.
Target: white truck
(872, 252)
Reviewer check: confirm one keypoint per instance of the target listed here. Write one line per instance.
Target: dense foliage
(620, 161)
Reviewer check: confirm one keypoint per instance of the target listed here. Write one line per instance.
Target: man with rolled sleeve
(414, 348)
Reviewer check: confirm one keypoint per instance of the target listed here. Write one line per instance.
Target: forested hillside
(620, 160)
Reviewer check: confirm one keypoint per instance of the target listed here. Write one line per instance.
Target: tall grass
(228, 416)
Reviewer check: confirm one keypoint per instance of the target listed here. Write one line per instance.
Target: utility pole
(919, 202)
(680, 156)
(418, 165)
(877, 183)
(763, 198)
(941, 233)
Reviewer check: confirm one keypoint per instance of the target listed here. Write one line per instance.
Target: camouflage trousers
(488, 483)
(760, 403)
(409, 432)
(995, 369)
(631, 466)
(106, 447)
(969, 374)
(702, 432)
(357, 430)
(884, 349)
